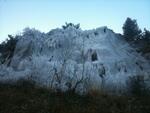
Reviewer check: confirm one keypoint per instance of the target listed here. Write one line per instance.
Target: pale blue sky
(45, 15)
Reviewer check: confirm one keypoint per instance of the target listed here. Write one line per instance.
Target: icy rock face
(70, 58)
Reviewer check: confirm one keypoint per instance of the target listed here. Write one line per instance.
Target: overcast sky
(45, 15)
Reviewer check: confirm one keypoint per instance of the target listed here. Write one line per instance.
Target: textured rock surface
(62, 57)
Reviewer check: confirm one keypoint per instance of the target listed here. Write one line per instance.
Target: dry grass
(28, 98)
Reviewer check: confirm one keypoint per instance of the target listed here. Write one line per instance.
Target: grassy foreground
(28, 98)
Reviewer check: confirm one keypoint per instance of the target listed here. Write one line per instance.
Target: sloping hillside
(73, 59)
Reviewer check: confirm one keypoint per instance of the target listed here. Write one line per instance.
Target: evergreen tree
(77, 26)
(146, 42)
(146, 34)
(131, 30)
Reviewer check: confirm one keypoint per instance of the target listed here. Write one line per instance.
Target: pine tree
(77, 26)
(131, 30)
(146, 34)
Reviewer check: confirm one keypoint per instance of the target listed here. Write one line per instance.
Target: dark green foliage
(137, 39)
(7, 48)
(77, 26)
(131, 30)
(146, 39)
(143, 44)
(146, 35)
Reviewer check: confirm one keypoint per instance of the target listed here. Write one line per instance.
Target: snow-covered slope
(74, 59)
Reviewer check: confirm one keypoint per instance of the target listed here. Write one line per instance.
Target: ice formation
(74, 59)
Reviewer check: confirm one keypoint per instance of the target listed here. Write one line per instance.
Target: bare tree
(63, 55)
(75, 76)
(84, 78)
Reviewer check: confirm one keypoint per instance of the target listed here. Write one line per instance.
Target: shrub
(7, 49)
(137, 86)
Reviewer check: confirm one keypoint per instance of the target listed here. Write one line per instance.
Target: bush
(7, 49)
(137, 86)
